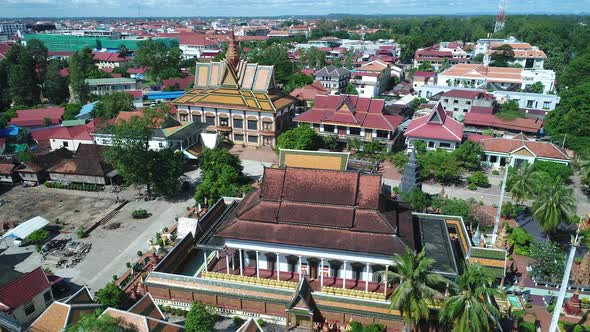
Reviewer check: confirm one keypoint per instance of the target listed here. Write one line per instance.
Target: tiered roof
(436, 125)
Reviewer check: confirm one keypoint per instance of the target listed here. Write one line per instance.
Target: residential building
(8, 172)
(306, 95)
(23, 299)
(525, 55)
(68, 137)
(460, 102)
(518, 150)
(478, 122)
(109, 59)
(424, 78)
(195, 45)
(306, 248)
(102, 86)
(445, 53)
(252, 31)
(371, 79)
(299, 30)
(437, 129)
(333, 78)
(38, 117)
(238, 100)
(495, 78)
(527, 100)
(348, 116)
(87, 166)
(34, 171)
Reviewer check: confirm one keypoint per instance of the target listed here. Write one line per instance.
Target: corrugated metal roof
(25, 229)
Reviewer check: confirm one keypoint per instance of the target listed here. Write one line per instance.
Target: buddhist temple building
(306, 248)
(238, 100)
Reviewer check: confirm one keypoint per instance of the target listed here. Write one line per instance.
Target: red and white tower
(501, 17)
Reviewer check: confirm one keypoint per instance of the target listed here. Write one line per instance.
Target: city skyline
(203, 8)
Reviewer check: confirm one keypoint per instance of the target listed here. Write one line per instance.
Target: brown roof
(53, 319)
(539, 149)
(141, 323)
(91, 151)
(7, 169)
(82, 166)
(330, 209)
(146, 307)
(43, 162)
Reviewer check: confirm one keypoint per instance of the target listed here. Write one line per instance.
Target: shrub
(526, 327)
(140, 214)
(139, 253)
(115, 277)
(261, 322)
(375, 327)
(495, 172)
(356, 326)
(238, 321)
(38, 237)
(479, 179)
(399, 160)
(81, 232)
(553, 169)
(472, 186)
(128, 264)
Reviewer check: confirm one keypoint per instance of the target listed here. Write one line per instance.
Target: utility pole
(566, 277)
(502, 192)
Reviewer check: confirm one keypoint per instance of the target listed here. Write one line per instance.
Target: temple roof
(339, 210)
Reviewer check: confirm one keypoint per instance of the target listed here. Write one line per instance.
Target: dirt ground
(19, 204)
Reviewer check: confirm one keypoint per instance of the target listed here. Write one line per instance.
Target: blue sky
(112, 8)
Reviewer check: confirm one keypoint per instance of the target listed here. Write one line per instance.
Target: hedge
(489, 254)
(74, 186)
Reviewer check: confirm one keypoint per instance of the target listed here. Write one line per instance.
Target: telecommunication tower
(501, 17)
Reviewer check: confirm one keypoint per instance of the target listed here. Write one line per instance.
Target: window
(267, 126)
(329, 128)
(29, 308)
(239, 123)
(266, 140)
(183, 117)
(455, 109)
(493, 159)
(444, 145)
(252, 125)
(446, 100)
(160, 145)
(455, 101)
(47, 297)
(382, 134)
(223, 122)
(546, 105)
(239, 137)
(530, 103)
(196, 118)
(468, 102)
(355, 131)
(430, 144)
(210, 120)
(251, 258)
(66, 144)
(465, 110)
(252, 139)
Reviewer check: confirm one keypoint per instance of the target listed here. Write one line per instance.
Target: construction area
(63, 252)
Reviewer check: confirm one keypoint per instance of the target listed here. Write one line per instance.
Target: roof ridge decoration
(232, 55)
(438, 114)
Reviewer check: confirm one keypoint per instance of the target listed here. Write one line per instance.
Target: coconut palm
(556, 202)
(471, 309)
(585, 169)
(417, 286)
(523, 182)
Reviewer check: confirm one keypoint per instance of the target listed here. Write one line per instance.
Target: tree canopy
(94, 323)
(110, 104)
(200, 318)
(300, 138)
(112, 296)
(221, 175)
(162, 62)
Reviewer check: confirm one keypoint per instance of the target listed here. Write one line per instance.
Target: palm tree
(523, 182)
(471, 309)
(556, 202)
(585, 169)
(417, 286)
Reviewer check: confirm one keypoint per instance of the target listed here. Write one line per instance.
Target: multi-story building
(460, 102)
(437, 130)
(346, 116)
(195, 45)
(333, 78)
(10, 29)
(450, 52)
(109, 59)
(527, 100)
(371, 79)
(525, 55)
(102, 86)
(496, 78)
(252, 31)
(238, 100)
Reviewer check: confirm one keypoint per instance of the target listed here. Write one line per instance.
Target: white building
(10, 29)
(529, 100)
(333, 78)
(371, 79)
(525, 55)
(102, 86)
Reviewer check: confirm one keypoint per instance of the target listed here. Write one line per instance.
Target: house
(24, 299)
(477, 122)
(528, 100)
(437, 129)
(137, 73)
(517, 150)
(137, 96)
(424, 78)
(34, 171)
(38, 117)
(194, 45)
(306, 95)
(449, 53)
(237, 100)
(307, 247)
(68, 137)
(178, 83)
(333, 78)
(371, 79)
(8, 172)
(109, 60)
(525, 55)
(87, 166)
(64, 313)
(348, 116)
(102, 86)
(460, 102)
(496, 78)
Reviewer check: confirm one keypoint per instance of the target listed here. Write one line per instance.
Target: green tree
(349, 89)
(221, 175)
(168, 167)
(576, 72)
(77, 67)
(71, 110)
(300, 138)
(276, 54)
(296, 81)
(425, 66)
(111, 104)
(5, 99)
(554, 204)
(536, 87)
(56, 86)
(201, 318)
(315, 58)
(112, 296)
(418, 199)
(38, 237)
(93, 322)
(440, 165)
(502, 56)
(469, 154)
(472, 309)
(510, 111)
(162, 62)
(585, 170)
(39, 53)
(521, 182)
(400, 160)
(547, 261)
(417, 288)
(123, 50)
(22, 79)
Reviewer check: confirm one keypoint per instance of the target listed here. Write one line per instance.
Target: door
(313, 270)
(342, 131)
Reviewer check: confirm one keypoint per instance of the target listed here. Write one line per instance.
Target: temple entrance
(313, 269)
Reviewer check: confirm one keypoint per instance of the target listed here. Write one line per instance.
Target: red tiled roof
(182, 82)
(436, 125)
(350, 110)
(109, 57)
(140, 70)
(7, 169)
(478, 137)
(4, 47)
(135, 93)
(482, 109)
(64, 72)
(466, 94)
(309, 91)
(23, 289)
(192, 39)
(491, 120)
(425, 74)
(36, 117)
(507, 145)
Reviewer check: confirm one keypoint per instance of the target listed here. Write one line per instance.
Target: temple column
(227, 263)
(257, 266)
(205, 259)
(300, 268)
(322, 273)
(278, 264)
(385, 279)
(241, 268)
(344, 275)
(233, 260)
(367, 279)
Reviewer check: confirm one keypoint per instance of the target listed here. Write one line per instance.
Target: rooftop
(23, 289)
(436, 125)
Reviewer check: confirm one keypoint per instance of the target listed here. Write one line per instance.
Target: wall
(40, 306)
(430, 144)
(57, 143)
(77, 178)
(537, 100)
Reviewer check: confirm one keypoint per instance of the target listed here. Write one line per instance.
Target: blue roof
(86, 110)
(11, 130)
(164, 95)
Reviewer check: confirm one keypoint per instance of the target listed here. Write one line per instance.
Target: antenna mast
(501, 17)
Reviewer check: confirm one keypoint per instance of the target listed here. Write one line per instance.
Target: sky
(236, 8)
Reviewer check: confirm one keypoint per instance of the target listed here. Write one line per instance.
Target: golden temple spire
(233, 55)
